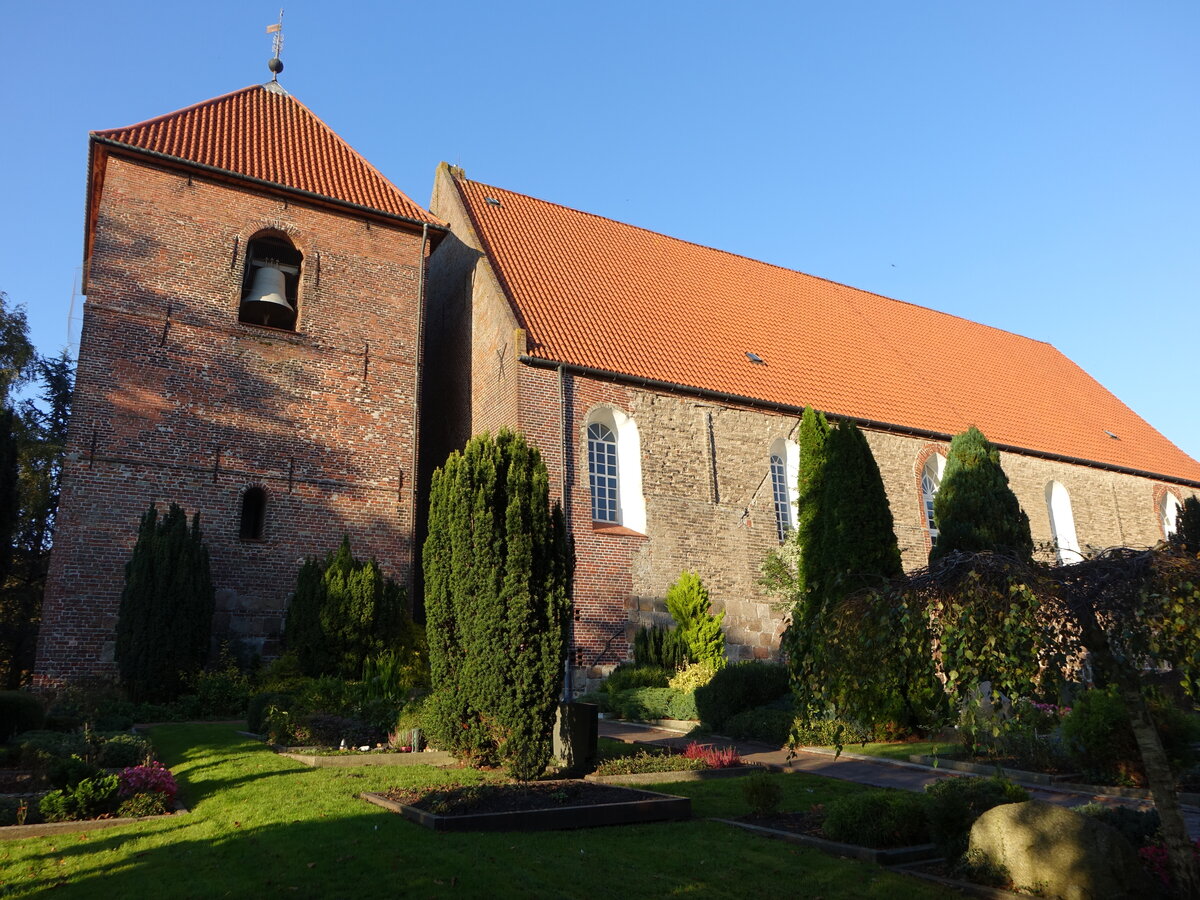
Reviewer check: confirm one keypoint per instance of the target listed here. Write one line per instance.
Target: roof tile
(264, 133)
(598, 293)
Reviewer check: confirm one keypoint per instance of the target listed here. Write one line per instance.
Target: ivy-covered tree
(689, 605)
(343, 611)
(498, 568)
(164, 624)
(851, 544)
(975, 510)
(810, 491)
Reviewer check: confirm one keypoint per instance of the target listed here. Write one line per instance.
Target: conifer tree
(810, 489)
(343, 611)
(689, 605)
(1187, 525)
(164, 624)
(858, 544)
(975, 510)
(498, 565)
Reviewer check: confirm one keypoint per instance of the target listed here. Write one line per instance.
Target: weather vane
(276, 64)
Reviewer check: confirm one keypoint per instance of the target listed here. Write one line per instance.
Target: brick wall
(176, 401)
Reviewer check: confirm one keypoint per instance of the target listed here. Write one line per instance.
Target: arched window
(254, 514)
(602, 472)
(614, 453)
(1168, 513)
(1062, 523)
(931, 480)
(784, 462)
(270, 282)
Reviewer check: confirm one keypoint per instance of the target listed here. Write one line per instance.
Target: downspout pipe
(756, 403)
(564, 443)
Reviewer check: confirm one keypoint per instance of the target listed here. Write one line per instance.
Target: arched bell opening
(270, 283)
(254, 514)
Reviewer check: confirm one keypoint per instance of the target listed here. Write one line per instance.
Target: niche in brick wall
(254, 514)
(271, 282)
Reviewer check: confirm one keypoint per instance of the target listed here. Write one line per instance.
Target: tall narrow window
(783, 511)
(784, 462)
(254, 514)
(1062, 523)
(602, 472)
(271, 282)
(1168, 513)
(931, 480)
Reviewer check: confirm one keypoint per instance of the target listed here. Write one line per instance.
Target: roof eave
(759, 403)
(437, 228)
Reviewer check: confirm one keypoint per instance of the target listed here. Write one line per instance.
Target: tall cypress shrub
(497, 566)
(975, 510)
(164, 623)
(858, 544)
(1187, 525)
(344, 610)
(810, 490)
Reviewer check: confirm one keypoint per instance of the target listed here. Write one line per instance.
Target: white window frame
(1168, 513)
(931, 482)
(631, 506)
(783, 466)
(1062, 523)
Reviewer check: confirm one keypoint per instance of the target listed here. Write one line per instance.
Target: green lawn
(263, 826)
(903, 751)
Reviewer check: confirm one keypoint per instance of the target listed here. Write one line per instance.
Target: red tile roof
(596, 293)
(262, 132)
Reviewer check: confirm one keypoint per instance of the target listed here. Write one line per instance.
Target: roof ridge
(103, 132)
(760, 262)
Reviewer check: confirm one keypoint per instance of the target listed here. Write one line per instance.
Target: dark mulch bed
(461, 800)
(796, 822)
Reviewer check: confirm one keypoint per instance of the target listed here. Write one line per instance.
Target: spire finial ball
(275, 65)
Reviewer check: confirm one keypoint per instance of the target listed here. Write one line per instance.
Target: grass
(262, 825)
(903, 751)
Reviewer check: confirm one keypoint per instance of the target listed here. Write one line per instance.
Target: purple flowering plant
(152, 778)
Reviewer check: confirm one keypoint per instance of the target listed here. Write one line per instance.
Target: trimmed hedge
(653, 703)
(738, 688)
(771, 726)
(883, 818)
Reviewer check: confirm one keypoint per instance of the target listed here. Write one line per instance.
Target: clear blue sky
(1029, 165)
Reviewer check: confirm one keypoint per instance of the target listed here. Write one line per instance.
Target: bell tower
(251, 350)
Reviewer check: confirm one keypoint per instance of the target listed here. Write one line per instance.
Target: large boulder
(1059, 853)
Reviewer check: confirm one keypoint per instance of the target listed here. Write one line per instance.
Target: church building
(251, 351)
(279, 339)
(664, 383)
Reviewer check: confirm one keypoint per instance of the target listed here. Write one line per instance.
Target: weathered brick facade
(704, 468)
(177, 401)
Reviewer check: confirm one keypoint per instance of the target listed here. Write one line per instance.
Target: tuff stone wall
(176, 401)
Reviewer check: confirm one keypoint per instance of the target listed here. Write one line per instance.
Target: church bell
(266, 301)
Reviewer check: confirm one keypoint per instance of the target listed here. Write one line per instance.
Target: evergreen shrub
(975, 509)
(878, 819)
(1140, 826)
(19, 711)
(953, 805)
(1099, 738)
(740, 687)
(653, 703)
(164, 622)
(89, 799)
(632, 675)
(343, 611)
(762, 792)
(770, 726)
(688, 603)
(654, 645)
(694, 676)
(256, 710)
(498, 565)
(821, 731)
